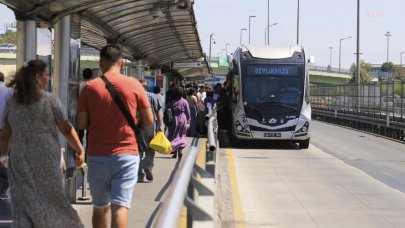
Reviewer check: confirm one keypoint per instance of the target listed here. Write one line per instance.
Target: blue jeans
(112, 179)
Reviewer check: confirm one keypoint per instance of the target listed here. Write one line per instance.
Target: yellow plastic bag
(160, 143)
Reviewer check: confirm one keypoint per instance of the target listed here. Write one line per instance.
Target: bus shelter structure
(153, 33)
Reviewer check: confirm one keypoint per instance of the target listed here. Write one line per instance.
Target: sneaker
(140, 180)
(148, 174)
(3, 196)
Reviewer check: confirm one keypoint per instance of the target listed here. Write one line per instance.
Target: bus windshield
(270, 83)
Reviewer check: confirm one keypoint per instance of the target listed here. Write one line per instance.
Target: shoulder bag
(142, 145)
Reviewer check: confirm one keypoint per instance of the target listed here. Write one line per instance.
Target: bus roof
(272, 52)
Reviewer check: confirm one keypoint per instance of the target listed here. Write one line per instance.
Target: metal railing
(378, 107)
(197, 194)
(329, 69)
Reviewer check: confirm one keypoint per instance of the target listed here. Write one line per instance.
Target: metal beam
(26, 41)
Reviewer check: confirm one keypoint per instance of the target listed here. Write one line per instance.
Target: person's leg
(148, 161)
(122, 186)
(141, 174)
(99, 178)
(119, 216)
(100, 217)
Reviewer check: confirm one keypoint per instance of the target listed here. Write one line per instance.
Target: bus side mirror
(235, 68)
(311, 60)
(234, 96)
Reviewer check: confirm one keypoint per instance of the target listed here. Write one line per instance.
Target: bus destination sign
(272, 70)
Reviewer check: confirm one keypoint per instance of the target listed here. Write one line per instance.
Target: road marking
(200, 162)
(236, 201)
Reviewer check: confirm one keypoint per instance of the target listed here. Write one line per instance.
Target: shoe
(148, 174)
(174, 155)
(3, 196)
(140, 180)
(180, 154)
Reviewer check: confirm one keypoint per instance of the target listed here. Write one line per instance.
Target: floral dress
(35, 177)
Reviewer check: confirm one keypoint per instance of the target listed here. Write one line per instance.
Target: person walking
(5, 94)
(87, 75)
(147, 162)
(113, 155)
(31, 119)
(157, 91)
(181, 113)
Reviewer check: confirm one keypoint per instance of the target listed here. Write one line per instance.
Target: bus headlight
(304, 128)
(241, 128)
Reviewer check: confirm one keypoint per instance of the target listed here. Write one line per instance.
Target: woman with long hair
(31, 119)
(181, 113)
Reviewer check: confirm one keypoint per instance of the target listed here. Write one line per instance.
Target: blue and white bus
(269, 92)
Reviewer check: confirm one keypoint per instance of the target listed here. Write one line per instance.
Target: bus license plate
(267, 134)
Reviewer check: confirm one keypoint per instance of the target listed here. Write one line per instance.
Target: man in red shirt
(113, 156)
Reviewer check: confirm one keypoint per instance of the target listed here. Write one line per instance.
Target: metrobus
(269, 94)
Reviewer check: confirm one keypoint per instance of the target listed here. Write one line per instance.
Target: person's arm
(71, 137)
(187, 112)
(159, 116)
(82, 121)
(146, 118)
(82, 114)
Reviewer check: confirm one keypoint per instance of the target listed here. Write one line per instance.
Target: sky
(322, 24)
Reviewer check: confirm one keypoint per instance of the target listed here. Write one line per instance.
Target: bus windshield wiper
(275, 104)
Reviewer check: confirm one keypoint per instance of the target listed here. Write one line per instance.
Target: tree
(365, 68)
(387, 67)
(399, 72)
(9, 37)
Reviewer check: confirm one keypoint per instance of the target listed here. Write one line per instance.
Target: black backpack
(168, 118)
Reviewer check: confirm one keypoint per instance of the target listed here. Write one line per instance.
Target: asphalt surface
(345, 179)
(377, 156)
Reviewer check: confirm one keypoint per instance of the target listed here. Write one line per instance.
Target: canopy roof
(158, 31)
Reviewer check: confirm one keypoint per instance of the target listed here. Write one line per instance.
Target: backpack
(168, 118)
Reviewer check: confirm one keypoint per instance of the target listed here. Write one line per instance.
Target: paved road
(333, 185)
(378, 157)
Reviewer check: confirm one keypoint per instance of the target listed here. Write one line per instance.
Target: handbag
(142, 145)
(161, 144)
(168, 118)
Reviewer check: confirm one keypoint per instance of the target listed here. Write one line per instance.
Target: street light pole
(209, 62)
(388, 34)
(249, 26)
(223, 49)
(268, 24)
(340, 50)
(358, 55)
(298, 22)
(226, 48)
(330, 58)
(268, 29)
(241, 30)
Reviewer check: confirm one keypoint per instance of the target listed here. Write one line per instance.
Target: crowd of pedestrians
(114, 114)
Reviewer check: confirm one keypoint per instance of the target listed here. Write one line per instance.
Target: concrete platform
(147, 196)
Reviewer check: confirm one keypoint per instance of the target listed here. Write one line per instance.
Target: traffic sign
(187, 65)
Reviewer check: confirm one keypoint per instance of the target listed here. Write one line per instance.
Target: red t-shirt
(109, 131)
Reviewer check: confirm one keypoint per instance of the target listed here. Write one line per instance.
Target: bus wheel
(304, 144)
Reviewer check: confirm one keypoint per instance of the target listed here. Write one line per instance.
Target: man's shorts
(112, 179)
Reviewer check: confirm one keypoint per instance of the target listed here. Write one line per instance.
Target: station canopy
(161, 32)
